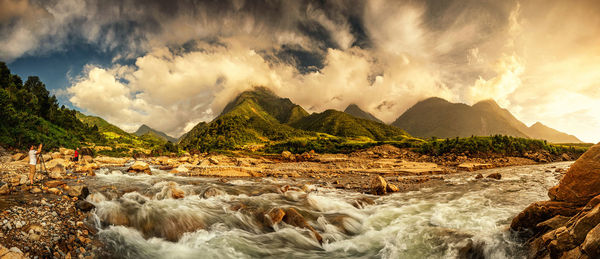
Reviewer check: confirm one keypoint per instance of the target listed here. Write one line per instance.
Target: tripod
(42, 165)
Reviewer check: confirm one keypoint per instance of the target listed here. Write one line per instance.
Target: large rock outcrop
(582, 180)
(567, 226)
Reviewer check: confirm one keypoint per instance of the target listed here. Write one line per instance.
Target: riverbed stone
(275, 215)
(139, 167)
(581, 182)
(294, 218)
(84, 205)
(378, 185)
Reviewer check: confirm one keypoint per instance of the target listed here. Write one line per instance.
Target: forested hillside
(30, 115)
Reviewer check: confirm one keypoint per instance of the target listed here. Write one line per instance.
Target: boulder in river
(80, 191)
(567, 226)
(581, 182)
(378, 185)
(294, 218)
(84, 205)
(139, 167)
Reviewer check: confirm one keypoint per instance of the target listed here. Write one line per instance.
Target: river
(137, 217)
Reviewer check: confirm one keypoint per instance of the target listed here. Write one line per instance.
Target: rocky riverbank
(568, 225)
(51, 219)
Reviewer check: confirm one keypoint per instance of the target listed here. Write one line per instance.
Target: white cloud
(540, 59)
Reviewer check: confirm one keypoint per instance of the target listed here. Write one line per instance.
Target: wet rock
(362, 202)
(80, 191)
(294, 218)
(471, 250)
(392, 188)
(378, 185)
(84, 205)
(212, 192)
(35, 190)
(496, 176)
(139, 167)
(541, 211)
(275, 215)
(478, 176)
(581, 182)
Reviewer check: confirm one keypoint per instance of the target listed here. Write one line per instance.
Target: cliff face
(568, 225)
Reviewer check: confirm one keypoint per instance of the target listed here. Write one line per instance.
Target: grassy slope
(256, 116)
(344, 125)
(119, 138)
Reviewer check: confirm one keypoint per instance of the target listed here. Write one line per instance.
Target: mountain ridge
(437, 117)
(145, 129)
(357, 112)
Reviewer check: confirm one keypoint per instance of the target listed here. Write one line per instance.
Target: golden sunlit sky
(172, 65)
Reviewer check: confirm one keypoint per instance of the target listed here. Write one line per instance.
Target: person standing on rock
(33, 161)
(76, 156)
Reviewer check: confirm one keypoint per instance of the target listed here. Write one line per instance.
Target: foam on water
(433, 222)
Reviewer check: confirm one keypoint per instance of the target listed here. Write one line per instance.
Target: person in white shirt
(33, 161)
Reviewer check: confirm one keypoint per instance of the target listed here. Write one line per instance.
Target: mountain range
(259, 116)
(440, 118)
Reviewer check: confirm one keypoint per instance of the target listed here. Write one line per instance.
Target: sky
(172, 64)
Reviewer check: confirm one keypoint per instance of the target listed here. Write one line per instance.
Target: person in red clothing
(76, 155)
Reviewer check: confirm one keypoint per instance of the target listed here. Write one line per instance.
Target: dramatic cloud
(180, 63)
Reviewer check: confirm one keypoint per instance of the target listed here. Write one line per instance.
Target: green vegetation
(127, 144)
(498, 144)
(325, 143)
(256, 116)
(30, 116)
(345, 125)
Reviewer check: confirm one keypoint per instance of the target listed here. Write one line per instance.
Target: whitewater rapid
(138, 218)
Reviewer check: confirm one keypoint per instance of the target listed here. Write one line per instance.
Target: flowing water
(138, 218)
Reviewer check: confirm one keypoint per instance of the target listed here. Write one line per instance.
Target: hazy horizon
(172, 65)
